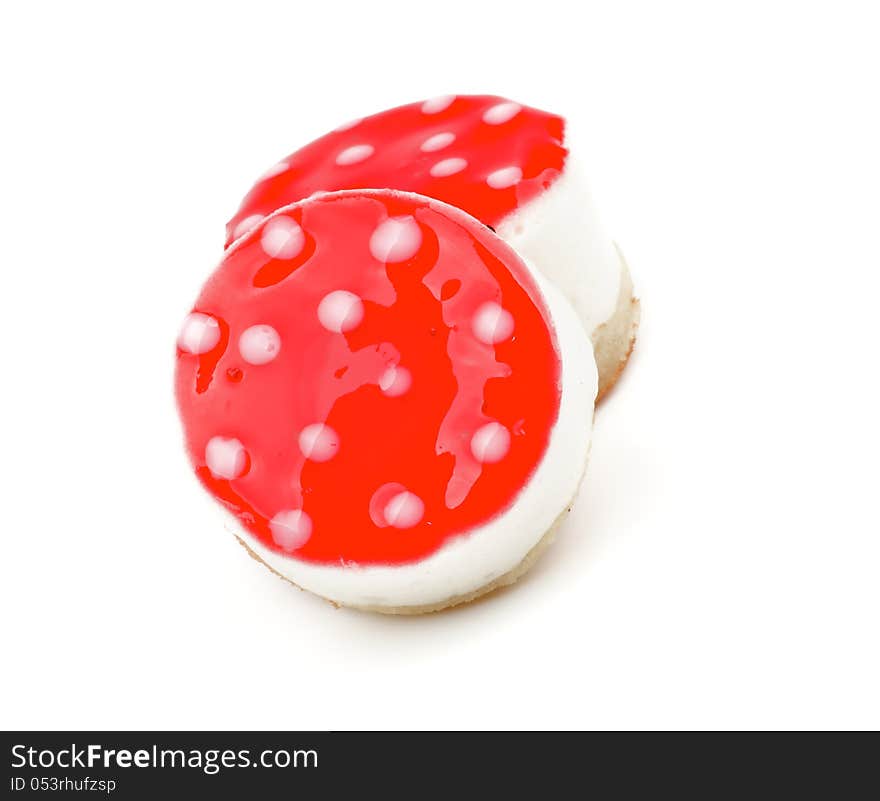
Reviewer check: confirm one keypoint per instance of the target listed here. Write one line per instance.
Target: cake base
(502, 581)
(613, 341)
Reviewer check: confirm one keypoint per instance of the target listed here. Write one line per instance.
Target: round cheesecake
(392, 406)
(506, 164)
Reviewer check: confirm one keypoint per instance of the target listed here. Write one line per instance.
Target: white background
(721, 567)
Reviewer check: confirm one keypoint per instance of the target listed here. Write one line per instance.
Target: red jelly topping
(483, 154)
(365, 375)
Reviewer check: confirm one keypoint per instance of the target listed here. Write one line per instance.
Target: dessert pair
(389, 379)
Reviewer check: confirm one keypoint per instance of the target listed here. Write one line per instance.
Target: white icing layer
(470, 562)
(561, 234)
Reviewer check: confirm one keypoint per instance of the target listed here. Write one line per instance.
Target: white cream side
(561, 234)
(469, 562)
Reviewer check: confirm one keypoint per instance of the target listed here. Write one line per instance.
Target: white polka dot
(501, 113)
(318, 442)
(291, 529)
(396, 239)
(259, 344)
(505, 177)
(275, 169)
(437, 142)
(380, 500)
(199, 333)
(492, 324)
(437, 104)
(395, 381)
(340, 311)
(448, 167)
(347, 126)
(490, 443)
(282, 238)
(226, 458)
(354, 154)
(245, 225)
(404, 510)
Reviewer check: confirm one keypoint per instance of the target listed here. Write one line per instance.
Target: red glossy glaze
(530, 140)
(403, 380)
